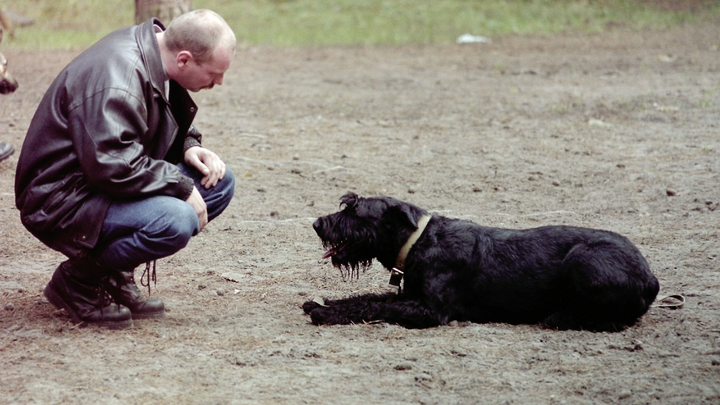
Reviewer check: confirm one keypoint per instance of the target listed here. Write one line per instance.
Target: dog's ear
(404, 214)
(349, 200)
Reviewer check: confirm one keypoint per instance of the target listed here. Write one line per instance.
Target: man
(112, 172)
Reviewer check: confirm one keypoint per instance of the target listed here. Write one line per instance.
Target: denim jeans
(136, 232)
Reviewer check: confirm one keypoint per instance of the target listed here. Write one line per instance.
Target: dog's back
(567, 277)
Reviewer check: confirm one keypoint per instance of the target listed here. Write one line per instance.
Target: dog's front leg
(344, 311)
(389, 308)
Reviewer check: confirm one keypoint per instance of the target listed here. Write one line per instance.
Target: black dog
(565, 277)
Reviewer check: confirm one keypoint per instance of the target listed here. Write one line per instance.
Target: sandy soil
(616, 131)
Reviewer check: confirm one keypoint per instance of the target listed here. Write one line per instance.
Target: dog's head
(366, 228)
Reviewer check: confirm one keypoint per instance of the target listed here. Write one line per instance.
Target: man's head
(200, 47)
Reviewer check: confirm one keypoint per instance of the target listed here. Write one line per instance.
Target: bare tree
(165, 10)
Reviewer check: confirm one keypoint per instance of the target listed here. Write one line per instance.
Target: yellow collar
(422, 223)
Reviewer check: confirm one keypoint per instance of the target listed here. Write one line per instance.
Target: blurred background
(71, 24)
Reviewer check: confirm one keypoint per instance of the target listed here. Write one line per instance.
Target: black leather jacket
(104, 131)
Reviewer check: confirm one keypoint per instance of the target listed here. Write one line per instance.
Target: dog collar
(396, 273)
(400, 262)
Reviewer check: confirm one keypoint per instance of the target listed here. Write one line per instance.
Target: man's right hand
(196, 201)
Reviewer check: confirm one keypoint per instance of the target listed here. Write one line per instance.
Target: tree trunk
(165, 10)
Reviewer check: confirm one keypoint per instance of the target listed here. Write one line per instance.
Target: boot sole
(152, 315)
(60, 303)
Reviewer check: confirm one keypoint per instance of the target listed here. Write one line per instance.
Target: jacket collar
(150, 52)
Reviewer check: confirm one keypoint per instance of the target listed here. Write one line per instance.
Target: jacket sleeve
(110, 130)
(193, 138)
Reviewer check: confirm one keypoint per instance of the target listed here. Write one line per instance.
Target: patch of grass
(397, 22)
(67, 24)
(79, 23)
(706, 100)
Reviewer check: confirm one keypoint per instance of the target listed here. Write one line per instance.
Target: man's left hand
(207, 163)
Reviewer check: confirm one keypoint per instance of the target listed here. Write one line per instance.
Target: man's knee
(222, 195)
(227, 185)
(186, 222)
(177, 225)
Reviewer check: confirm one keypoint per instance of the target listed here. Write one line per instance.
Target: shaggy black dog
(565, 277)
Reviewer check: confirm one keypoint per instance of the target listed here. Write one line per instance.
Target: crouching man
(112, 172)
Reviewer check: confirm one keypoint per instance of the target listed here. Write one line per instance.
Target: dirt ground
(616, 131)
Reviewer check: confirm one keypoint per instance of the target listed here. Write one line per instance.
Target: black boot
(121, 286)
(75, 287)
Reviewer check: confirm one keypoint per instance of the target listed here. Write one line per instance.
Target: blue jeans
(136, 232)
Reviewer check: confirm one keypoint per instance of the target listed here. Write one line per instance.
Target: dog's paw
(327, 316)
(322, 314)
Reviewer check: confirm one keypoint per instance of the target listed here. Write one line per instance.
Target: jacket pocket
(57, 212)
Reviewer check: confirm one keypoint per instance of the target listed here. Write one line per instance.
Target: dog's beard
(349, 242)
(352, 270)
(342, 256)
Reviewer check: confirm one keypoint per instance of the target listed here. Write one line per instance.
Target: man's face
(195, 76)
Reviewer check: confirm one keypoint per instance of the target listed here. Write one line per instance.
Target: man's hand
(196, 201)
(207, 163)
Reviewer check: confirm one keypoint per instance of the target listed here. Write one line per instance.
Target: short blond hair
(199, 32)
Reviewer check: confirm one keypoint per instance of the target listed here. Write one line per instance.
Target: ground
(616, 131)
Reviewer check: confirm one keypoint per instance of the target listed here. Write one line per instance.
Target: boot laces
(148, 276)
(104, 297)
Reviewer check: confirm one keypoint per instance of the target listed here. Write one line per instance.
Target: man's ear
(183, 58)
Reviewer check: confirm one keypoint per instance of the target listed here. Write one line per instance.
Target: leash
(675, 301)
